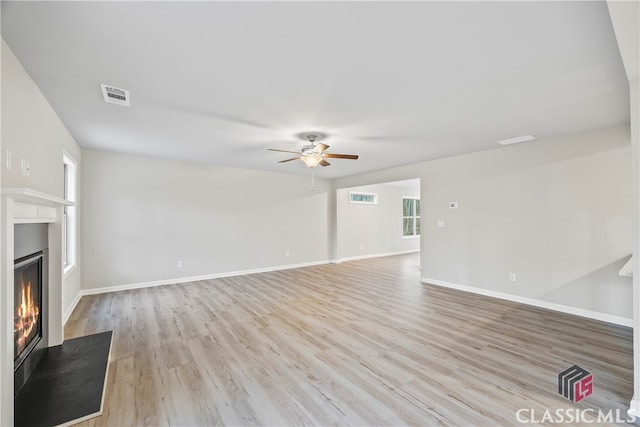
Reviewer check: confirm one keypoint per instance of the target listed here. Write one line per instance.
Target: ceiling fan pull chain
(313, 185)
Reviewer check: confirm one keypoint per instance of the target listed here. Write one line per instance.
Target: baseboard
(617, 320)
(72, 307)
(355, 258)
(117, 288)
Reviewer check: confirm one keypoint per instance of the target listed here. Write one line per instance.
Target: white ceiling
(395, 82)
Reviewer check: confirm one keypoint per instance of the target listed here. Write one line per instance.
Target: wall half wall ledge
(627, 269)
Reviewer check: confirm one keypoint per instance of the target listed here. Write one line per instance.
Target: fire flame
(26, 317)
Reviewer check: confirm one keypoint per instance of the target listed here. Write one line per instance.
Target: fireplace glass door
(27, 291)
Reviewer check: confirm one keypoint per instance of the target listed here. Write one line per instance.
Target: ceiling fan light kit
(311, 160)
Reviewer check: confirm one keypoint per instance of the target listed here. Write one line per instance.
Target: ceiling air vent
(114, 95)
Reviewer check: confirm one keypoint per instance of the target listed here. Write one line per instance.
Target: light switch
(440, 223)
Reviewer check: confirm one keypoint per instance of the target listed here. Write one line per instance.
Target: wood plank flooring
(358, 343)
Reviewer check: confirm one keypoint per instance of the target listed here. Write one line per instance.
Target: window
(363, 198)
(69, 219)
(410, 217)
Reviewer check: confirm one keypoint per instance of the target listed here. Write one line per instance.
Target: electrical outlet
(7, 160)
(512, 277)
(440, 223)
(180, 263)
(286, 253)
(361, 246)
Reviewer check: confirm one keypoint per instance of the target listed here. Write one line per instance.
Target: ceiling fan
(314, 154)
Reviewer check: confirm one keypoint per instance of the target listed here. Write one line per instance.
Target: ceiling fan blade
(323, 162)
(283, 151)
(319, 148)
(341, 156)
(288, 160)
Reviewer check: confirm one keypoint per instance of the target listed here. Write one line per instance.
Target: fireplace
(30, 297)
(27, 292)
(30, 223)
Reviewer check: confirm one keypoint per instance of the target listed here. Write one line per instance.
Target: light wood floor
(358, 343)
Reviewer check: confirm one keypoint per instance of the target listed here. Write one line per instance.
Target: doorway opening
(378, 220)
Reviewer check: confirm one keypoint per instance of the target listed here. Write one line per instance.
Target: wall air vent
(114, 95)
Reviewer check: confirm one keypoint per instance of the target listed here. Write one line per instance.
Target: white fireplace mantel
(22, 206)
(30, 206)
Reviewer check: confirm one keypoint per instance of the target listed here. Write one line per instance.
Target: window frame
(415, 217)
(374, 198)
(69, 214)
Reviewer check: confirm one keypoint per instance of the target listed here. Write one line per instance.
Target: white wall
(32, 130)
(556, 212)
(369, 230)
(142, 215)
(625, 17)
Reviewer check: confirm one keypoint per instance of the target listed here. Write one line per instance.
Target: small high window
(363, 198)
